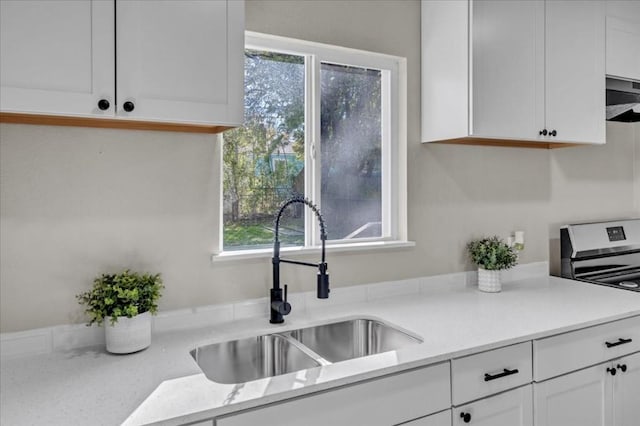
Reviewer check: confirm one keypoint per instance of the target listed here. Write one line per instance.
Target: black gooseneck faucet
(279, 305)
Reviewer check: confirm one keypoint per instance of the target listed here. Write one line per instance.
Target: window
(323, 122)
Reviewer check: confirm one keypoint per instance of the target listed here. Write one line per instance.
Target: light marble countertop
(163, 383)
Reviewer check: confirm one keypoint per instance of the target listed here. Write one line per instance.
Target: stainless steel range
(605, 253)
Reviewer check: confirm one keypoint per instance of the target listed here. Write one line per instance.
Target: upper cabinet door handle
(619, 342)
(103, 104)
(128, 106)
(553, 133)
(543, 132)
(505, 372)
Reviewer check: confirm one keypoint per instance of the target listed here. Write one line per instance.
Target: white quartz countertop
(164, 385)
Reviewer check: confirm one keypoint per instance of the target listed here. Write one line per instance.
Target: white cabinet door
(533, 70)
(57, 56)
(381, 402)
(180, 61)
(626, 391)
(581, 398)
(440, 419)
(575, 70)
(513, 408)
(623, 47)
(507, 51)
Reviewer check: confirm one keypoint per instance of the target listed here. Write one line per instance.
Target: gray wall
(76, 202)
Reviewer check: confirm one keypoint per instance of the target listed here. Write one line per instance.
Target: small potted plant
(491, 255)
(124, 302)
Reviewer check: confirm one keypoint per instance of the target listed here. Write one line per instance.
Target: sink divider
(304, 348)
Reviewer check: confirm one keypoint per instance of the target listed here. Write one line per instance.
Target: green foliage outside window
(264, 160)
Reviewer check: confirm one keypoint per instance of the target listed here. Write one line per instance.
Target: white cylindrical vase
(489, 281)
(128, 335)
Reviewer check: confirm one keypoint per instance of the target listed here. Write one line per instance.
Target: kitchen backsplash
(68, 337)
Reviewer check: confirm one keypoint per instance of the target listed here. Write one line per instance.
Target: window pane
(351, 151)
(264, 159)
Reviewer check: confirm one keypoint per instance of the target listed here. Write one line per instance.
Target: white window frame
(394, 142)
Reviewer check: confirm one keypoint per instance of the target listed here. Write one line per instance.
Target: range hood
(623, 100)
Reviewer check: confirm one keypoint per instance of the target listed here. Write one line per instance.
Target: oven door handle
(618, 343)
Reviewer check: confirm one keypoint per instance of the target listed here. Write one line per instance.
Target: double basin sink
(268, 355)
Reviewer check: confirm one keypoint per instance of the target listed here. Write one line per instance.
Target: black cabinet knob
(543, 132)
(622, 367)
(128, 106)
(103, 104)
(612, 371)
(553, 133)
(466, 417)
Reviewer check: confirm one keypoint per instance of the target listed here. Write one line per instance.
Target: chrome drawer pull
(505, 372)
(619, 342)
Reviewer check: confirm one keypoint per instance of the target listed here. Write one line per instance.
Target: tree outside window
(266, 161)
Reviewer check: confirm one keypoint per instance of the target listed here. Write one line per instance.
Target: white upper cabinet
(623, 39)
(149, 60)
(57, 56)
(521, 72)
(180, 60)
(575, 71)
(507, 52)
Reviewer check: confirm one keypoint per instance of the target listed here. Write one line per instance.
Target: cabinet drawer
(571, 351)
(389, 400)
(490, 372)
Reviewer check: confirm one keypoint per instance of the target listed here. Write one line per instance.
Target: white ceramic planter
(128, 335)
(489, 281)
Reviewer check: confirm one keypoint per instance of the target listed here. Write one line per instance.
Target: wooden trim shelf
(108, 123)
(506, 143)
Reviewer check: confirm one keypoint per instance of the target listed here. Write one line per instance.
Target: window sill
(230, 256)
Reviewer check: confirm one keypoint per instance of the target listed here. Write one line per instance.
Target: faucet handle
(285, 307)
(280, 305)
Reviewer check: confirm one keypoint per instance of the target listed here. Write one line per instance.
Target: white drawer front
(386, 401)
(571, 351)
(486, 373)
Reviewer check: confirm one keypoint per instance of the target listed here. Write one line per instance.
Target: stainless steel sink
(354, 338)
(243, 360)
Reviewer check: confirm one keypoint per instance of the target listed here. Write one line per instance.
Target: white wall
(77, 202)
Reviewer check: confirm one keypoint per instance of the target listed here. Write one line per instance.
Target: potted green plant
(491, 255)
(124, 302)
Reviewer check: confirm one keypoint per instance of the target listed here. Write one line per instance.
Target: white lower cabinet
(603, 395)
(626, 391)
(579, 398)
(512, 408)
(385, 401)
(586, 377)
